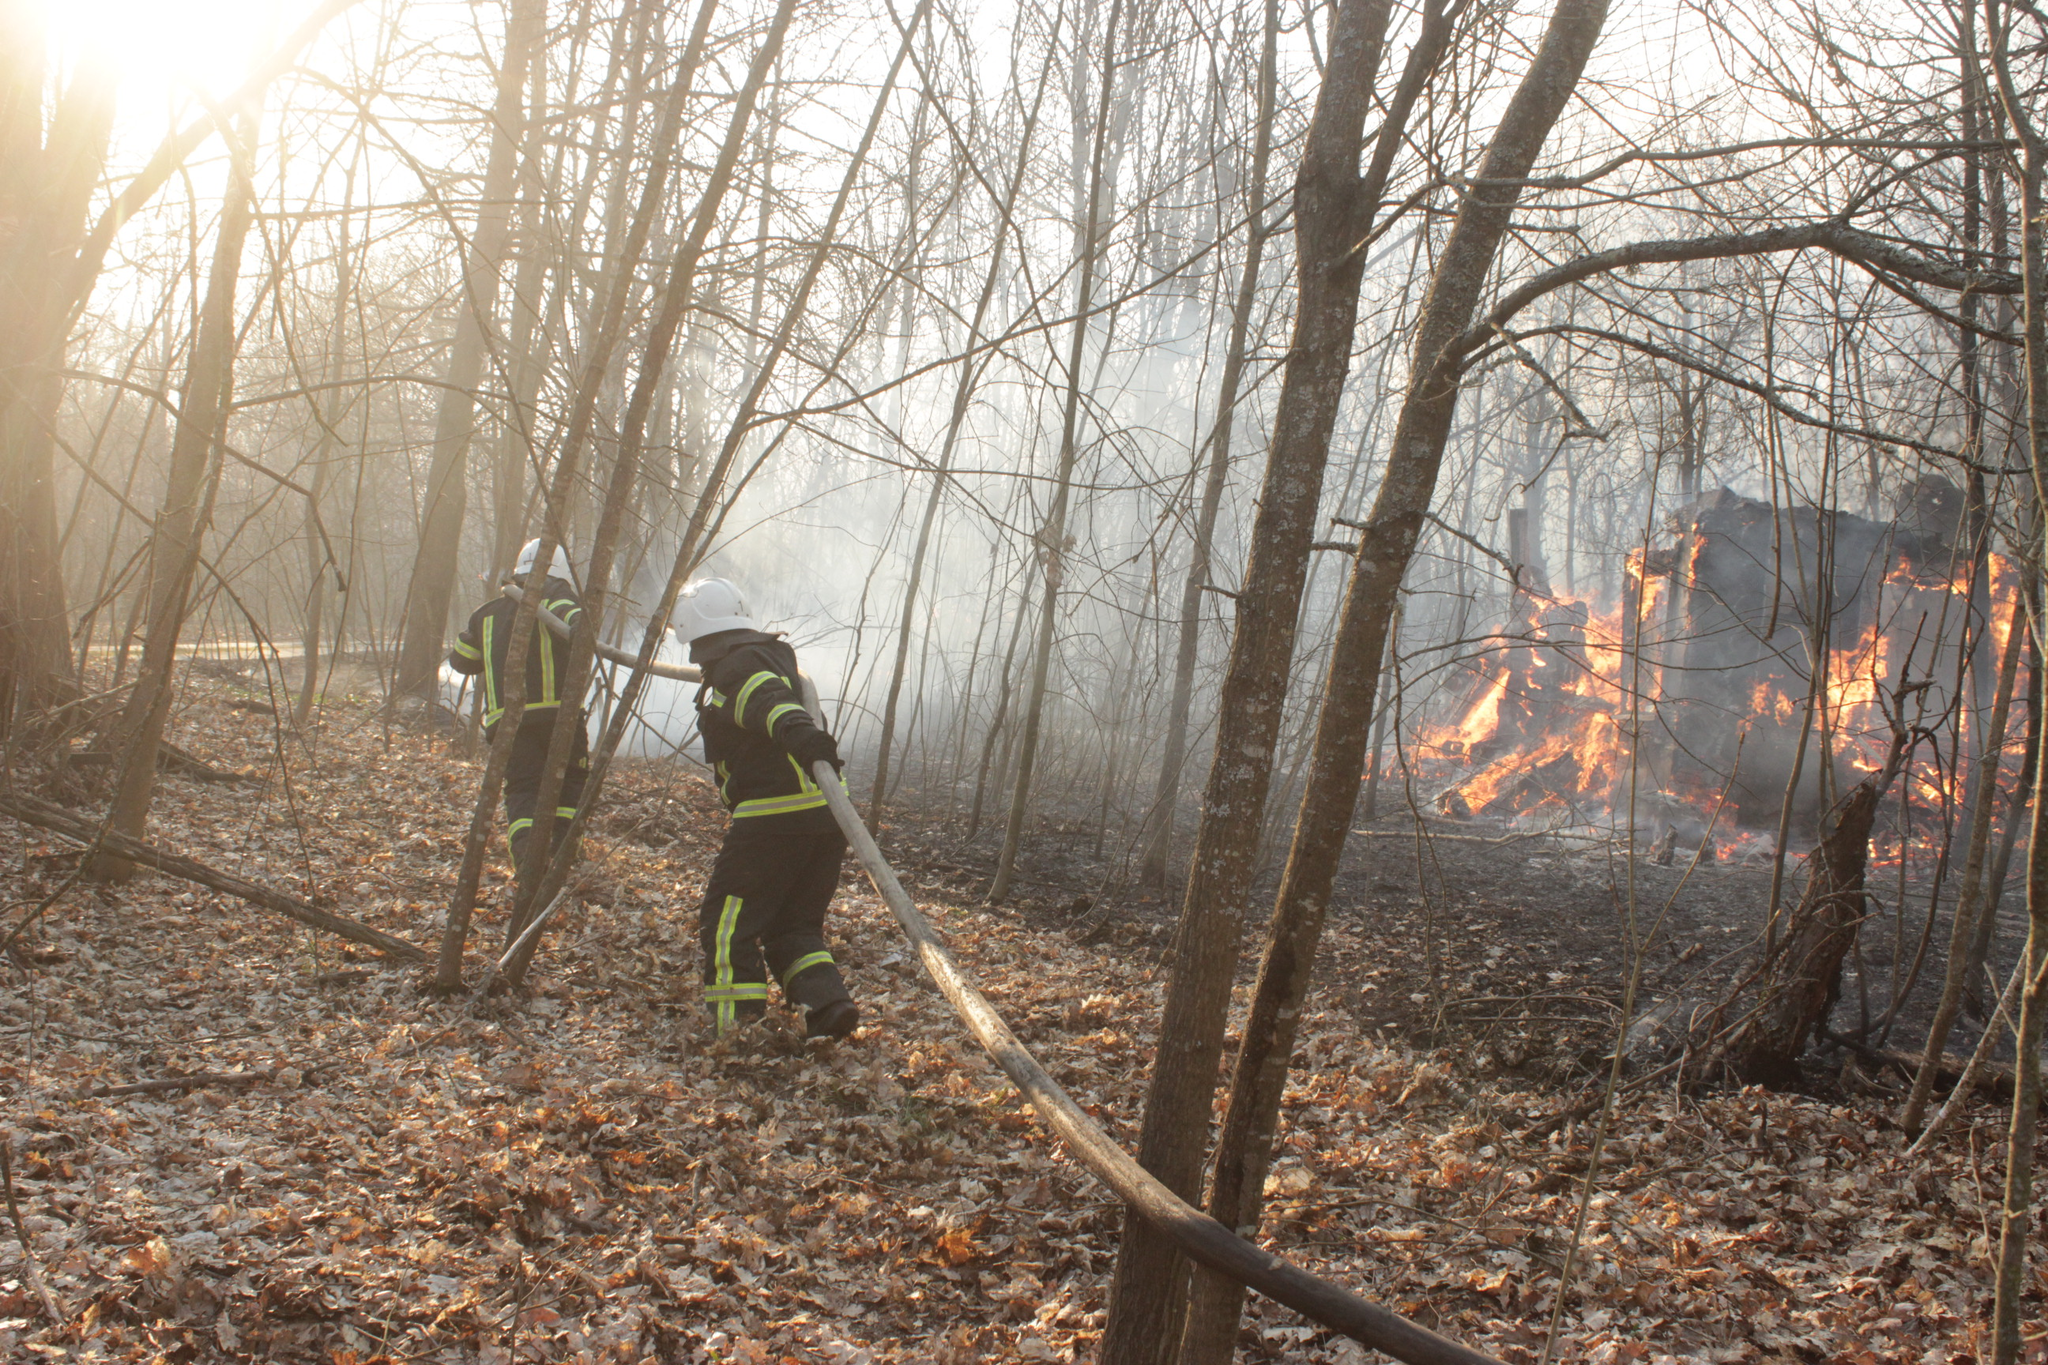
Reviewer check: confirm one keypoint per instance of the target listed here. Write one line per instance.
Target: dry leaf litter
(585, 1176)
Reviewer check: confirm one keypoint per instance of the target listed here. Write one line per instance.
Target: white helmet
(711, 605)
(558, 567)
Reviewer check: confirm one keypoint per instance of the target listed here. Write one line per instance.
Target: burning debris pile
(1758, 664)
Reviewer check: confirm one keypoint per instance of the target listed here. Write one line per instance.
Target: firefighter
(482, 649)
(764, 909)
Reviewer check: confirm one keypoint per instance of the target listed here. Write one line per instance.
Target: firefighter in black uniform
(764, 910)
(481, 648)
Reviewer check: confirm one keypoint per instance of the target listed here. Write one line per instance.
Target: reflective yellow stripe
(547, 668)
(716, 697)
(778, 805)
(739, 707)
(723, 993)
(491, 708)
(805, 963)
(565, 812)
(779, 712)
(468, 650)
(728, 920)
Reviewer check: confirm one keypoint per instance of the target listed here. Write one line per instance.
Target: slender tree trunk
(317, 563)
(1053, 534)
(1386, 546)
(434, 566)
(2018, 1214)
(1333, 211)
(963, 397)
(188, 499)
(319, 553)
(625, 473)
(1803, 976)
(703, 521)
(998, 723)
(526, 331)
(561, 497)
(2018, 804)
(1971, 900)
(1158, 837)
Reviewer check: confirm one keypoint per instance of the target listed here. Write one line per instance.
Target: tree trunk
(652, 377)
(188, 502)
(2018, 804)
(434, 565)
(1974, 898)
(561, 495)
(963, 396)
(319, 552)
(1001, 718)
(1158, 837)
(2018, 1214)
(1052, 534)
(46, 184)
(527, 330)
(1333, 212)
(703, 521)
(1386, 546)
(1803, 977)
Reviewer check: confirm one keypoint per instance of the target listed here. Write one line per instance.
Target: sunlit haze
(160, 47)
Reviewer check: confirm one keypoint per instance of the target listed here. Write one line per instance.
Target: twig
(1350, 1201)
(1543, 1128)
(195, 1081)
(1432, 835)
(1967, 1082)
(28, 1251)
(39, 909)
(526, 935)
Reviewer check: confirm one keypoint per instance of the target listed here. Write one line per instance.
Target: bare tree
(432, 586)
(1387, 542)
(188, 503)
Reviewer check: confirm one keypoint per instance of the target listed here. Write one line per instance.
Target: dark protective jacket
(484, 642)
(751, 713)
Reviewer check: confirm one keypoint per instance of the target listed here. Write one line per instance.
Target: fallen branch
(169, 758)
(196, 1081)
(1985, 1078)
(82, 830)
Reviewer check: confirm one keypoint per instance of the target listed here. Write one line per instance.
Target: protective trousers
(522, 779)
(763, 912)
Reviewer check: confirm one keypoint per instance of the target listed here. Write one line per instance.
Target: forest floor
(373, 1174)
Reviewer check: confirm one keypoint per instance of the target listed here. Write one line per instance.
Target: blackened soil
(1510, 951)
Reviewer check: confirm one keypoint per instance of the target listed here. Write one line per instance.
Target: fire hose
(1198, 1235)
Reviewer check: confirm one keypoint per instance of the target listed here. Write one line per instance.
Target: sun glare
(164, 47)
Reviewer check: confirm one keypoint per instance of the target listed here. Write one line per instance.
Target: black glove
(817, 747)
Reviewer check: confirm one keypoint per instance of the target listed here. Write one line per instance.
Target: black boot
(829, 1011)
(836, 1020)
